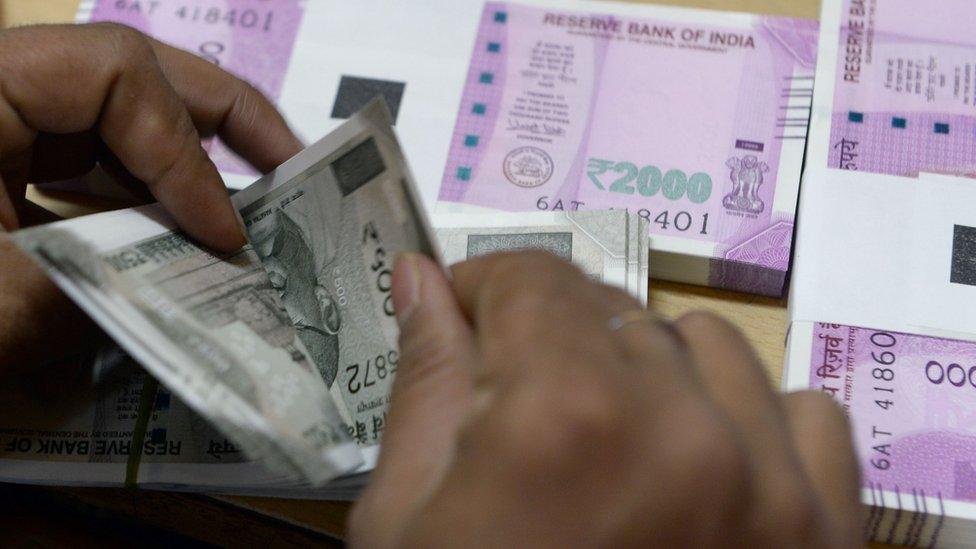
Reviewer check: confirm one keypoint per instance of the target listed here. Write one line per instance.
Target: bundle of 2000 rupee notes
(694, 120)
(885, 276)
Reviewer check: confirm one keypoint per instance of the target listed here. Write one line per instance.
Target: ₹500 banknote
(695, 120)
(289, 345)
(609, 246)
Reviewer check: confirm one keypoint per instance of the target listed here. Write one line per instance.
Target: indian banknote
(883, 273)
(912, 403)
(328, 237)
(566, 109)
(86, 439)
(75, 427)
(289, 345)
(541, 105)
(901, 88)
(609, 246)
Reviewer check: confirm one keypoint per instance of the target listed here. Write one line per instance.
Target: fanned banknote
(609, 246)
(80, 434)
(885, 274)
(289, 345)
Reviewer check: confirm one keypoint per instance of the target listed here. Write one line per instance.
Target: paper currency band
(146, 400)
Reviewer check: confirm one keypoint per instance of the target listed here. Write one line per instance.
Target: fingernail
(406, 286)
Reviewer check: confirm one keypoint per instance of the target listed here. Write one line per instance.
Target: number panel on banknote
(912, 401)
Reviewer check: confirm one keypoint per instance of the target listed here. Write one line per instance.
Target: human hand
(74, 95)
(520, 417)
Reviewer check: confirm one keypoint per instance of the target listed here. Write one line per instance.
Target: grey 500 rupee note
(609, 246)
(288, 345)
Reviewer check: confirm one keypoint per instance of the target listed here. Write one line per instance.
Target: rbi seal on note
(527, 167)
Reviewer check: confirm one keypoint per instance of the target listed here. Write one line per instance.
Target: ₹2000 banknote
(252, 39)
(904, 88)
(884, 246)
(289, 345)
(694, 121)
(912, 403)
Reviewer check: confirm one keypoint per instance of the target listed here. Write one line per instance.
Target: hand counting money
(289, 345)
(694, 120)
(276, 361)
(882, 290)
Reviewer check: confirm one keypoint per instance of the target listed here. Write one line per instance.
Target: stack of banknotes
(276, 361)
(694, 120)
(884, 287)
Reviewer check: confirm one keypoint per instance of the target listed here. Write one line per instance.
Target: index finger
(222, 104)
(67, 79)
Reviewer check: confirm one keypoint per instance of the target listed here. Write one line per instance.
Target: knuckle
(562, 425)
(706, 323)
(707, 456)
(132, 46)
(583, 413)
(525, 284)
(246, 105)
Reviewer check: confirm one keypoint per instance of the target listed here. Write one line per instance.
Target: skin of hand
(72, 96)
(519, 418)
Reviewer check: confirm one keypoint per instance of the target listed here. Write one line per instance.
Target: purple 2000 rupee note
(681, 121)
(905, 92)
(912, 403)
(252, 39)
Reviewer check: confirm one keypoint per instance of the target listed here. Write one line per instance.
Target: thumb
(431, 396)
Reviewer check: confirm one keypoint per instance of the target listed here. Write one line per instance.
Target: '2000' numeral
(649, 180)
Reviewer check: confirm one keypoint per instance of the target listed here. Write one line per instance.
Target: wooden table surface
(762, 320)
